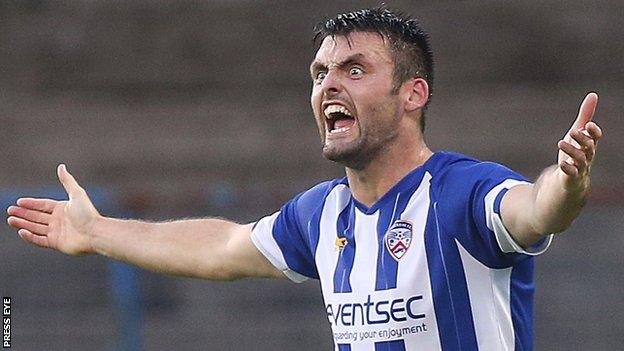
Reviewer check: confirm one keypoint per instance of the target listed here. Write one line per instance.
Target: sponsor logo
(341, 242)
(399, 238)
(371, 311)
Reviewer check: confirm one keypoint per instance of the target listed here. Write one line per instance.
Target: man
(414, 250)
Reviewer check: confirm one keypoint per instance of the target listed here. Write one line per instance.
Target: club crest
(399, 238)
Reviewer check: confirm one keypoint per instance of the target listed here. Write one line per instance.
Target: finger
(585, 143)
(69, 182)
(594, 131)
(35, 228)
(586, 111)
(577, 155)
(41, 241)
(33, 216)
(43, 205)
(568, 168)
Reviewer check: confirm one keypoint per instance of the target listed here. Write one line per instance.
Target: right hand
(61, 225)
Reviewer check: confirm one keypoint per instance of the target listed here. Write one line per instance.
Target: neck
(373, 181)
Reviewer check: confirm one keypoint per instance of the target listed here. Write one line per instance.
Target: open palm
(59, 225)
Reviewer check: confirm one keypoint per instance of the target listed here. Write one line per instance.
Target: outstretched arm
(204, 248)
(550, 205)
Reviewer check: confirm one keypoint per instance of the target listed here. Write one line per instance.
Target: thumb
(69, 182)
(586, 111)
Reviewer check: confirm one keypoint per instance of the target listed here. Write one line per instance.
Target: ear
(417, 91)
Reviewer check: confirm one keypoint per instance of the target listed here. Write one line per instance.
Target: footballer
(414, 249)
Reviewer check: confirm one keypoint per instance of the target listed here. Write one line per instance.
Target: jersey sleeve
(476, 190)
(494, 222)
(284, 242)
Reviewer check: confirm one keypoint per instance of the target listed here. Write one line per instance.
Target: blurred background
(167, 109)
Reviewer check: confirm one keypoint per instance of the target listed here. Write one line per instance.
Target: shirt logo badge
(399, 238)
(341, 242)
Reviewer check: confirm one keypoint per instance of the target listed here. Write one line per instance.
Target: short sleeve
(284, 242)
(473, 192)
(494, 222)
(489, 189)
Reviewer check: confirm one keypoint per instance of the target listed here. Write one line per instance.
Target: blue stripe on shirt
(387, 266)
(394, 345)
(344, 265)
(451, 302)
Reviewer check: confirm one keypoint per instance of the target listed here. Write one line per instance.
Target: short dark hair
(409, 43)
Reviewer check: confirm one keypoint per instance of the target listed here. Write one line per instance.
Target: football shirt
(429, 266)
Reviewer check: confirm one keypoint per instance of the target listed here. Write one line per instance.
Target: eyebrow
(319, 66)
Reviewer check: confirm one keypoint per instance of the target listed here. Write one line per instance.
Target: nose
(331, 84)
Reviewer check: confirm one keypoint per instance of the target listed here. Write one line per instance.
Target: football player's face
(355, 108)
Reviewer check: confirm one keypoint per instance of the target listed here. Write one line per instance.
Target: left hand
(578, 147)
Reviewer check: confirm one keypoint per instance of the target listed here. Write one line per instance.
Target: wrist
(578, 185)
(94, 234)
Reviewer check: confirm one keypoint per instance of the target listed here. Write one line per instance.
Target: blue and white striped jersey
(429, 266)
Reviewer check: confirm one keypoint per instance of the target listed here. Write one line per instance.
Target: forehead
(372, 46)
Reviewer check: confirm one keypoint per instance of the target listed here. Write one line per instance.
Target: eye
(320, 76)
(356, 71)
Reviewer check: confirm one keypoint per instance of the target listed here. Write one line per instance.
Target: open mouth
(338, 119)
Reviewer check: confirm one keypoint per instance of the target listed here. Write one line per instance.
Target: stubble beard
(358, 154)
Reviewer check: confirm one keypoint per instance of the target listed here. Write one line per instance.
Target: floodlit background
(167, 109)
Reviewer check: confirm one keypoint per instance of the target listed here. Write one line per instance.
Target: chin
(354, 158)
